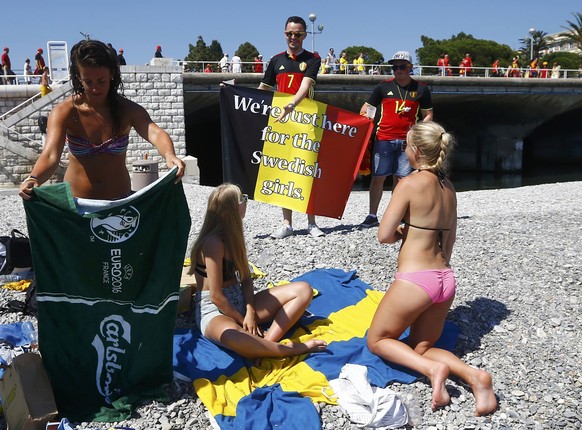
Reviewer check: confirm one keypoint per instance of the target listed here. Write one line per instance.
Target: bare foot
(482, 387)
(313, 345)
(440, 395)
(316, 345)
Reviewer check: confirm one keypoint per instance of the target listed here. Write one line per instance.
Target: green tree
(566, 60)
(371, 56)
(247, 53)
(574, 30)
(483, 52)
(215, 51)
(200, 53)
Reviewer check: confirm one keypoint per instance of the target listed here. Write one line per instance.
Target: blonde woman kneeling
(424, 288)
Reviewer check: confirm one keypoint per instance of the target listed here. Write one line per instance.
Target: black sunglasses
(295, 34)
(399, 67)
(404, 145)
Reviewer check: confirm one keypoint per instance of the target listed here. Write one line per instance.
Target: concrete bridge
(501, 124)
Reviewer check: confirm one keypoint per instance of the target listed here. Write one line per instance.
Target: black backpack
(14, 252)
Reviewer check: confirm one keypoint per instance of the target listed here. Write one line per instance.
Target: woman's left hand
(250, 324)
(172, 161)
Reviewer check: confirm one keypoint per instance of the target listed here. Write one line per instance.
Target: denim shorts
(389, 159)
(206, 310)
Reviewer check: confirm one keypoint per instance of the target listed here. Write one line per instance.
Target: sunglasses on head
(399, 67)
(295, 34)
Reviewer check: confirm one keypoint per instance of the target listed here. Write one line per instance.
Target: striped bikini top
(80, 147)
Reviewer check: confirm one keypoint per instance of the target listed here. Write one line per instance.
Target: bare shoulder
(63, 113)
(449, 186)
(66, 107)
(213, 246)
(413, 182)
(129, 105)
(133, 110)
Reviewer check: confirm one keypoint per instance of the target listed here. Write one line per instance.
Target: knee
(304, 292)
(371, 344)
(421, 347)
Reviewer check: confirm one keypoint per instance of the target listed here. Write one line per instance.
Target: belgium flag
(307, 162)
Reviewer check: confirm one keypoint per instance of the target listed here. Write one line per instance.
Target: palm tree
(574, 33)
(540, 43)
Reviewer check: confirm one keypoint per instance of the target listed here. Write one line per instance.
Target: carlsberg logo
(111, 344)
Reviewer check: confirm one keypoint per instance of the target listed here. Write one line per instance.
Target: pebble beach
(518, 263)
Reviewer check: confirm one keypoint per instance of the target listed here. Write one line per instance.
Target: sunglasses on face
(243, 199)
(295, 34)
(399, 67)
(404, 145)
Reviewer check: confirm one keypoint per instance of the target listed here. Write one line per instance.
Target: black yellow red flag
(307, 162)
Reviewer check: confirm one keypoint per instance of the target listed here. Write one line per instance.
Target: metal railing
(19, 106)
(18, 79)
(386, 69)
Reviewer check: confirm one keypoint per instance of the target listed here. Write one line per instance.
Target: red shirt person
(39, 62)
(294, 71)
(466, 65)
(258, 64)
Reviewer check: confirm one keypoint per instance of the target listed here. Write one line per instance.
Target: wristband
(291, 105)
(31, 178)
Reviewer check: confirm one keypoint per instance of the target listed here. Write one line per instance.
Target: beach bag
(14, 252)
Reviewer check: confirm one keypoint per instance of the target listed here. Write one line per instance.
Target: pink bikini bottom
(438, 283)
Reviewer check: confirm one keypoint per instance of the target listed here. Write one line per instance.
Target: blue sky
(385, 25)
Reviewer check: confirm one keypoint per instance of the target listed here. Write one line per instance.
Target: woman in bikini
(422, 213)
(95, 123)
(227, 311)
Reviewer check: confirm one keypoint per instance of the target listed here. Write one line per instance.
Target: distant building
(557, 43)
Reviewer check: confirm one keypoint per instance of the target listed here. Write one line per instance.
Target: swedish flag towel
(341, 315)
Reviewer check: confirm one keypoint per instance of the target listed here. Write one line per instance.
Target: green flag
(108, 278)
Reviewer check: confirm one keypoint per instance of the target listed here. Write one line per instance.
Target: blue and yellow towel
(341, 315)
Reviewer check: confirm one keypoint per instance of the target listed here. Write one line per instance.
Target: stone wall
(158, 89)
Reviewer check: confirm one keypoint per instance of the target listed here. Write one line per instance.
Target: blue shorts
(206, 310)
(388, 158)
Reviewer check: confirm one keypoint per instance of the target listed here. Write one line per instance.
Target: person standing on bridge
(401, 100)
(258, 64)
(121, 58)
(39, 64)
(294, 71)
(95, 123)
(7, 68)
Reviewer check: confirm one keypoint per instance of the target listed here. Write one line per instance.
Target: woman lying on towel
(227, 310)
(95, 123)
(423, 214)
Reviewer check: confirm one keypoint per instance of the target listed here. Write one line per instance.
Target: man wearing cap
(258, 64)
(402, 100)
(158, 53)
(7, 68)
(294, 71)
(39, 62)
(544, 70)
(121, 58)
